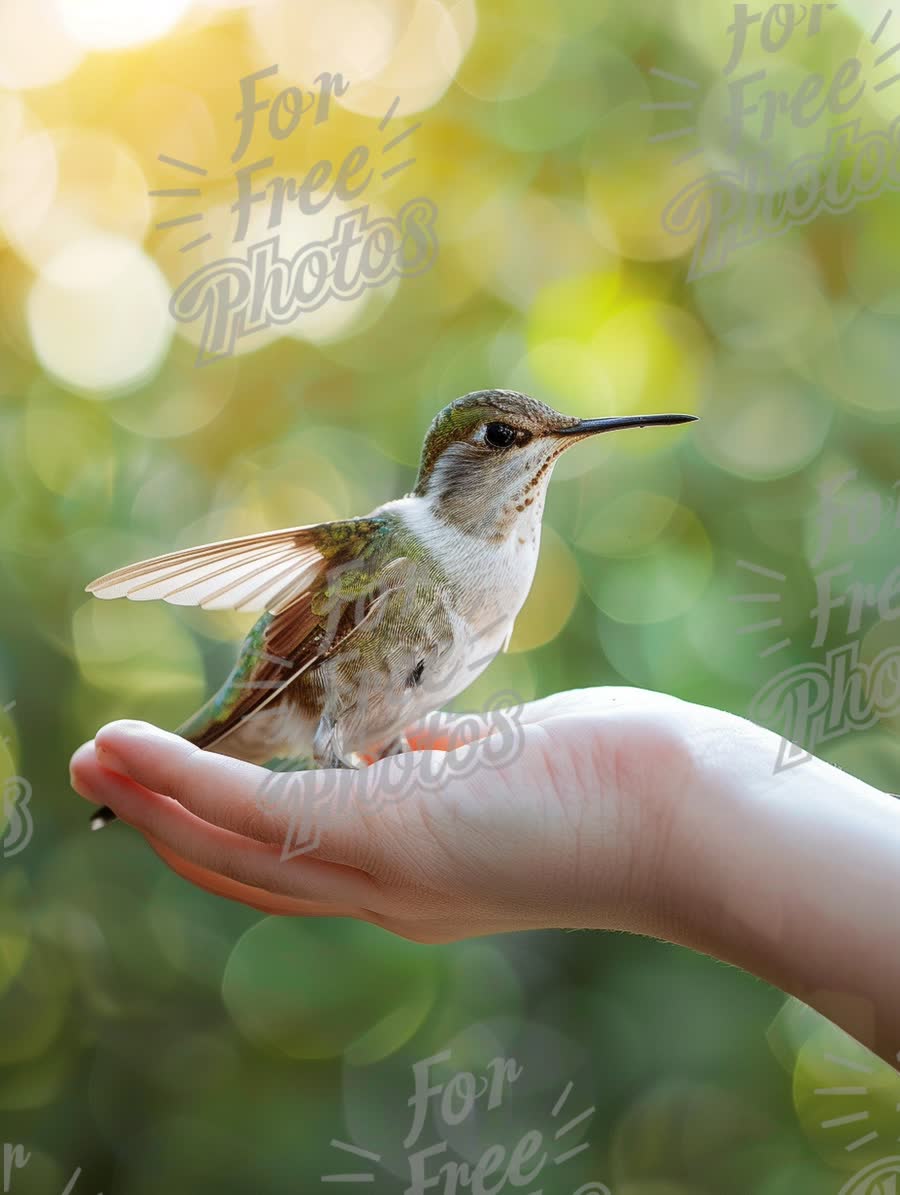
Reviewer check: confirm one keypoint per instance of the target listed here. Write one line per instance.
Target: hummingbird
(367, 624)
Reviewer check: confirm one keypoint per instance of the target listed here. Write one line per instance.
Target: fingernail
(110, 759)
(131, 728)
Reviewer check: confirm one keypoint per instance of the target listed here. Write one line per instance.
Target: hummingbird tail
(102, 817)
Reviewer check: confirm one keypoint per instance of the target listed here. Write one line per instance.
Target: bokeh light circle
(405, 50)
(77, 182)
(98, 315)
(281, 983)
(35, 48)
(113, 25)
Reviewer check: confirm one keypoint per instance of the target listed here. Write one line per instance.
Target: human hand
(620, 809)
(570, 832)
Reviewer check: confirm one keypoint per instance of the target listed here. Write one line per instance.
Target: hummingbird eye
(499, 435)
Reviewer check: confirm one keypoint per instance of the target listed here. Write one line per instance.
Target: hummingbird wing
(318, 585)
(345, 599)
(250, 573)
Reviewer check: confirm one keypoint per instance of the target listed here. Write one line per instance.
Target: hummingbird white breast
(488, 579)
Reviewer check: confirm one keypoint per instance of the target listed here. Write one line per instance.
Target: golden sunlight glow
(112, 25)
(409, 49)
(35, 50)
(78, 182)
(98, 314)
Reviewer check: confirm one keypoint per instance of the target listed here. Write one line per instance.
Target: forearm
(795, 877)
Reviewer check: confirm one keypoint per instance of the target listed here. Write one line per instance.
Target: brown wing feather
(248, 573)
(297, 633)
(308, 620)
(296, 640)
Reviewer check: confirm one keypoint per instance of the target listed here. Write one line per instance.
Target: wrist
(791, 875)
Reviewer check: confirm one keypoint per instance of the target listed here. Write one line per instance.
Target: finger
(248, 800)
(81, 759)
(322, 814)
(215, 849)
(256, 898)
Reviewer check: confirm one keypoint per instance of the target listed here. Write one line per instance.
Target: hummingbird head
(488, 456)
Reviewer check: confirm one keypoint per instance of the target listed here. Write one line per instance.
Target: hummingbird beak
(589, 427)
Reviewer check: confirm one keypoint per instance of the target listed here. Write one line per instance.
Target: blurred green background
(161, 1039)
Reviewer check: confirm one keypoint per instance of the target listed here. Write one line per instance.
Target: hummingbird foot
(327, 746)
(399, 746)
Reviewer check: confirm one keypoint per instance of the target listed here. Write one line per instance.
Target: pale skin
(620, 809)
